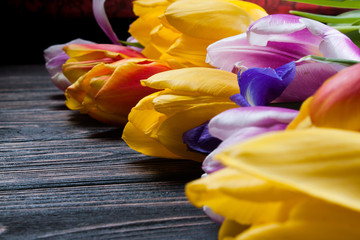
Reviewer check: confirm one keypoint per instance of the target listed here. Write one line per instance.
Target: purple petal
(199, 139)
(236, 50)
(213, 216)
(226, 123)
(55, 50)
(239, 124)
(309, 77)
(281, 28)
(55, 57)
(284, 28)
(103, 21)
(261, 86)
(240, 100)
(211, 165)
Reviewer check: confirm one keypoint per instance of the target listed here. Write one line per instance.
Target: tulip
(83, 57)
(278, 39)
(175, 31)
(55, 57)
(188, 98)
(300, 184)
(108, 91)
(335, 104)
(239, 124)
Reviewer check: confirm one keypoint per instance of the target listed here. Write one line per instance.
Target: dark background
(30, 26)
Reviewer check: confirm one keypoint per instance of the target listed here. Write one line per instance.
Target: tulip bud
(108, 91)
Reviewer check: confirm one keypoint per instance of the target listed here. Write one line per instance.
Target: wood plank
(64, 175)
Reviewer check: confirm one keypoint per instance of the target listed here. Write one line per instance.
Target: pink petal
(103, 21)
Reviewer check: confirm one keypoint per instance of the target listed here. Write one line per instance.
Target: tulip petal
(281, 28)
(261, 86)
(308, 78)
(224, 125)
(238, 124)
(138, 133)
(197, 81)
(83, 57)
(227, 188)
(171, 135)
(55, 57)
(199, 139)
(103, 21)
(145, 144)
(227, 52)
(311, 219)
(123, 89)
(223, 19)
(336, 104)
(328, 169)
(334, 44)
(240, 100)
(294, 29)
(187, 52)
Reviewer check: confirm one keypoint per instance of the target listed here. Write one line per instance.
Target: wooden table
(65, 176)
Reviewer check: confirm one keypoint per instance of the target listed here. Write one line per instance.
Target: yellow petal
(172, 129)
(200, 81)
(302, 120)
(208, 19)
(191, 52)
(241, 197)
(324, 163)
(170, 104)
(148, 12)
(255, 11)
(230, 229)
(162, 38)
(310, 220)
(140, 131)
(144, 144)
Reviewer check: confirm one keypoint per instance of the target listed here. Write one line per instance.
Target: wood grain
(65, 176)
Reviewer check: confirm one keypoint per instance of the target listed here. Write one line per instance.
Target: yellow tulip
(180, 31)
(188, 98)
(302, 184)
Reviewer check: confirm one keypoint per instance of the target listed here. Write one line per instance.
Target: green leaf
(330, 19)
(332, 3)
(344, 62)
(133, 44)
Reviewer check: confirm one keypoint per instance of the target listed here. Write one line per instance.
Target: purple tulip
(278, 39)
(238, 124)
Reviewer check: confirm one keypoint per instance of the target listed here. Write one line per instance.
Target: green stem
(346, 29)
(134, 44)
(344, 62)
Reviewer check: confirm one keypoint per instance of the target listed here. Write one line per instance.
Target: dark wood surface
(65, 176)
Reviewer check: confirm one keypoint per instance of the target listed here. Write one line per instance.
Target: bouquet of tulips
(270, 104)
